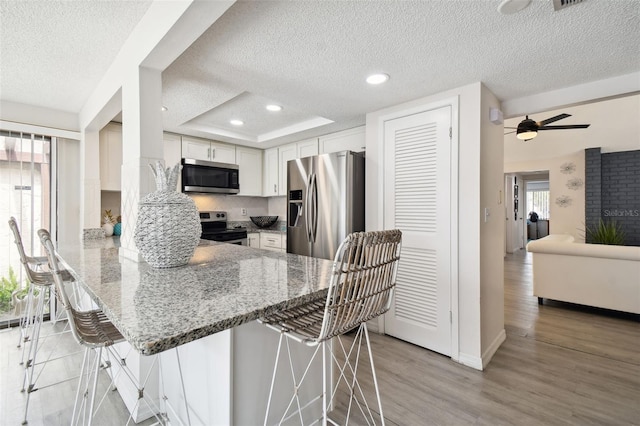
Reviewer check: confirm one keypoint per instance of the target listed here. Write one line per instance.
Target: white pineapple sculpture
(168, 226)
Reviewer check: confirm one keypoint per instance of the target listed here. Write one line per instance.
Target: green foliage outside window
(9, 285)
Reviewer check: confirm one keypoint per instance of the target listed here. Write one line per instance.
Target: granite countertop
(279, 227)
(266, 231)
(223, 286)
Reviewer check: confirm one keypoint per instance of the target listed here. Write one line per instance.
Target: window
(25, 182)
(538, 198)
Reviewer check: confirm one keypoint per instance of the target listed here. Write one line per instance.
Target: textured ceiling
(315, 55)
(53, 53)
(312, 57)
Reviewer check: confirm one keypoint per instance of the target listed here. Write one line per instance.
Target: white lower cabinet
(273, 242)
(253, 239)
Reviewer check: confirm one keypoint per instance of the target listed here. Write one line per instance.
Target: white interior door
(417, 188)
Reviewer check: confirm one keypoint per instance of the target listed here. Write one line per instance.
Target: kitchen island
(206, 309)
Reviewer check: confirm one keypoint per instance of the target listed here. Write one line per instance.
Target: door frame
(453, 102)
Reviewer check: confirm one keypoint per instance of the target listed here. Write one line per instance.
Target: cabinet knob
(213, 153)
(275, 189)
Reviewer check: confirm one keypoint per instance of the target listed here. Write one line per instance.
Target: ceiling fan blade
(568, 126)
(507, 127)
(508, 133)
(552, 119)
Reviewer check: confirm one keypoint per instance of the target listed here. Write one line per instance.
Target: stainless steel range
(214, 228)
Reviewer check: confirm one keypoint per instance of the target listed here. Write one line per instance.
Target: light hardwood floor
(560, 365)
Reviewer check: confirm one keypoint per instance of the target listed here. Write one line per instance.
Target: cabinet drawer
(270, 241)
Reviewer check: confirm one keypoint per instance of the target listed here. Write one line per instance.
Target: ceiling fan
(528, 129)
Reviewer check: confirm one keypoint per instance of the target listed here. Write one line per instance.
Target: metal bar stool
(95, 332)
(32, 263)
(40, 280)
(361, 288)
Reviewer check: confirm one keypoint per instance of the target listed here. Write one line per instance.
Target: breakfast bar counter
(223, 286)
(206, 309)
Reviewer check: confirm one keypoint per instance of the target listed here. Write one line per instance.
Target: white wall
(563, 219)
(68, 213)
(38, 116)
(492, 229)
(474, 187)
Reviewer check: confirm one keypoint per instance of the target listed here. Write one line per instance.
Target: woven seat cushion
(304, 321)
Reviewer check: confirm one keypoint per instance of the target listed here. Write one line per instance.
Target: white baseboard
(493, 347)
(470, 361)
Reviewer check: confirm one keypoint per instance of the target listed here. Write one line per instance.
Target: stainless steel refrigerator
(325, 202)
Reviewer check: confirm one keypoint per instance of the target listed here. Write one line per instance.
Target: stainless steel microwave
(206, 176)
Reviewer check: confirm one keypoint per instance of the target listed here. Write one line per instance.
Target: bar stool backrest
(61, 292)
(24, 259)
(362, 282)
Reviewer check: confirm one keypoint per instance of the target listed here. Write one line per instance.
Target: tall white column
(142, 145)
(90, 171)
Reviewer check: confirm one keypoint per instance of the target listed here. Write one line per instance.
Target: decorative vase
(108, 229)
(168, 226)
(117, 229)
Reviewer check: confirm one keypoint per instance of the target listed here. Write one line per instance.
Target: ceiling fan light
(525, 135)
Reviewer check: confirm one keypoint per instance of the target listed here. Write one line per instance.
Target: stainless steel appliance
(214, 228)
(325, 197)
(206, 176)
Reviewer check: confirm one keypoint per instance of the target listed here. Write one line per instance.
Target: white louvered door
(418, 202)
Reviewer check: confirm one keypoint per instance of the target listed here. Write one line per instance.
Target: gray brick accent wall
(612, 190)
(593, 182)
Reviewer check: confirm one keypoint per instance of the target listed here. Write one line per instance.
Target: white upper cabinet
(286, 153)
(352, 140)
(198, 150)
(292, 151)
(221, 153)
(201, 149)
(110, 157)
(270, 179)
(250, 169)
(307, 148)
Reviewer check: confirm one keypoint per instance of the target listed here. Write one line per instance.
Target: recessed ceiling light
(236, 122)
(274, 108)
(164, 108)
(508, 7)
(377, 78)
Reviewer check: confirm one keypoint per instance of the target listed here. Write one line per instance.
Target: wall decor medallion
(575, 184)
(568, 168)
(563, 201)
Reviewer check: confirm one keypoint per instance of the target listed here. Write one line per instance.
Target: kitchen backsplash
(278, 207)
(233, 205)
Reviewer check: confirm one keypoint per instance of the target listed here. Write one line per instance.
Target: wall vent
(563, 4)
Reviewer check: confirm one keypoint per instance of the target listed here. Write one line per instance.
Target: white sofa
(598, 275)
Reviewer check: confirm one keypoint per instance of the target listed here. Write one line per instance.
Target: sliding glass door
(25, 189)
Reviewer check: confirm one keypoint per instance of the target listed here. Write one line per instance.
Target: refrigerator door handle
(307, 213)
(314, 230)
